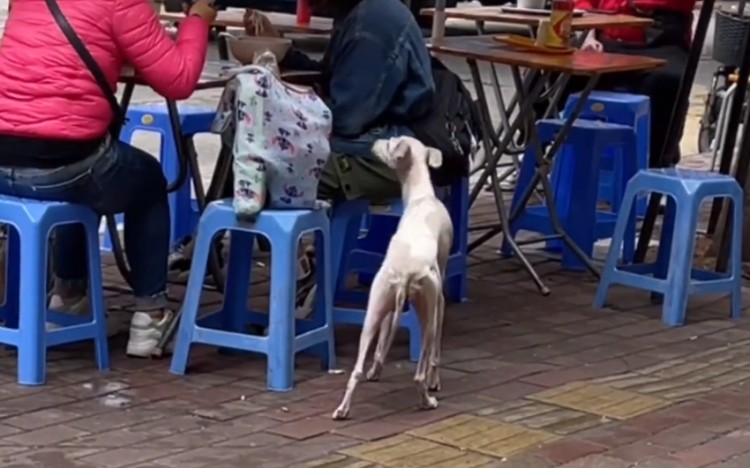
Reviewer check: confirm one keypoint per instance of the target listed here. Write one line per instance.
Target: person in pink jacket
(54, 142)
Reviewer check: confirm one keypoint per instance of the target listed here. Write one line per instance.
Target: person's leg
(118, 179)
(132, 183)
(348, 177)
(662, 86)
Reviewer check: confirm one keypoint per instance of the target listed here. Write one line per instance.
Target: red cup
(303, 12)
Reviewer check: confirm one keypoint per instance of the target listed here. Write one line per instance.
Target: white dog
(413, 268)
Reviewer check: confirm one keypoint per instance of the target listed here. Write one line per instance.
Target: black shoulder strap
(90, 63)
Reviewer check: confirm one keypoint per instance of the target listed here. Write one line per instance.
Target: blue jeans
(117, 179)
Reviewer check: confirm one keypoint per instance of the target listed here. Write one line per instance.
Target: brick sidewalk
(527, 382)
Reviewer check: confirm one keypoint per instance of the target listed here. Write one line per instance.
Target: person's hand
(258, 24)
(592, 43)
(204, 9)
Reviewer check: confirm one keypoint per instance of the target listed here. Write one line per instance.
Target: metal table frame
(529, 89)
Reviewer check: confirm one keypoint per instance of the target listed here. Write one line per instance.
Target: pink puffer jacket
(46, 90)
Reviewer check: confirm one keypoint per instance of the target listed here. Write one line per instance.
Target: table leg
(221, 42)
(542, 175)
(490, 171)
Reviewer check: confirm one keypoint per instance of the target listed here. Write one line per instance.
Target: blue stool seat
(286, 336)
(671, 277)
(25, 310)
(183, 209)
(366, 255)
(574, 181)
(625, 109)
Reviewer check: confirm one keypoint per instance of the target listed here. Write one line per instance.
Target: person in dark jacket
(375, 76)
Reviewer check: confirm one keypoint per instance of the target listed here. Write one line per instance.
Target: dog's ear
(434, 157)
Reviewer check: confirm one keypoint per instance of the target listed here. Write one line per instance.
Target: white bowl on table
(245, 48)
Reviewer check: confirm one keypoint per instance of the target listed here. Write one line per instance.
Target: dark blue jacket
(377, 73)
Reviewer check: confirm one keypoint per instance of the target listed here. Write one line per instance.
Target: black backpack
(451, 125)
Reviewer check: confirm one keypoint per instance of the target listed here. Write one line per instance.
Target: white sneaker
(145, 333)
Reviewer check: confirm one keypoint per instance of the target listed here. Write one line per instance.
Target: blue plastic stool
(183, 209)
(381, 226)
(672, 277)
(287, 336)
(25, 310)
(624, 109)
(575, 180)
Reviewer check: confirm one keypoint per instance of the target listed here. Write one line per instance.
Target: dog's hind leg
(433, 379)
(385, 339)
(425, 307)
(379, 305)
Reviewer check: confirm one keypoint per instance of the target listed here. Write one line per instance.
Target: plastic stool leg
(98, 310)
(281, 314)
(323, 315)
(736, 256)
(459, 209)
(32, 348)
(681, 265)
(234, 312)
(614, 248)
(12, 278)
(664, 253)
(345, 224)
(192, 300)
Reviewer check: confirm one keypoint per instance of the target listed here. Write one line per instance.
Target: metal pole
(688, 76)
(732, 125)
(438, 22)
(743, 160)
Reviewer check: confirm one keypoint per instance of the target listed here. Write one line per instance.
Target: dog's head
(401, 153)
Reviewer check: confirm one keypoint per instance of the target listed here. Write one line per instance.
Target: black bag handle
(117, 114)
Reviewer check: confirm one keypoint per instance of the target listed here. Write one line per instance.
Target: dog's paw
(341, 413)
(373, 375)
(430, 402)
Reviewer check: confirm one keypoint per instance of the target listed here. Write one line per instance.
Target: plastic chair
(25, 310)
(183, 209)
(286, 336)
(625, 109)
(671, 277)
(575, 180)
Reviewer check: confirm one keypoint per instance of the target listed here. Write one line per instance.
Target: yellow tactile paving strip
(600, 400)
(482, 435)
(406, 451)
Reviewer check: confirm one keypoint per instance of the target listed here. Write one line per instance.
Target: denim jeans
(117, 179)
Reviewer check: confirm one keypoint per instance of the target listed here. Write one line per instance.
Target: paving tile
(405, 450)
(563, 451)
(597, 461)
(600, 400)
(126, 456)
(47, 436)
(483, 435)
(549, 418)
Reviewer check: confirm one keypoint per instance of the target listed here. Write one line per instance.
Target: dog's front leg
(379, 304)
(425, 307)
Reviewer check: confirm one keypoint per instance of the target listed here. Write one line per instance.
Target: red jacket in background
(634, 35)
(46, 91)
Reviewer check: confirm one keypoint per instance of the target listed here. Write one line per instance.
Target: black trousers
(661, 85)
